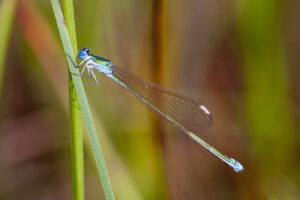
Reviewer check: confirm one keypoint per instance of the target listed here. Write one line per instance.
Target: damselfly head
(83, 53)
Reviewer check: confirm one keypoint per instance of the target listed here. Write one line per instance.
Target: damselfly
(184, 113)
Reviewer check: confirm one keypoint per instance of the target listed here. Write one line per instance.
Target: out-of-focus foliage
(6, 19)
(239, 58)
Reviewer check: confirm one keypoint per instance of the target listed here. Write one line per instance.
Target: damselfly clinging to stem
(184, 113)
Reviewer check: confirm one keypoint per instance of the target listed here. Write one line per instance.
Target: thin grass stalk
(87, 116)
(77, 154)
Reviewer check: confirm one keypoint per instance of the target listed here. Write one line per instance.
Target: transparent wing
(183, 112)
(177, 109)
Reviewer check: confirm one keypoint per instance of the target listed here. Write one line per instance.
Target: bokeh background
(240, 58)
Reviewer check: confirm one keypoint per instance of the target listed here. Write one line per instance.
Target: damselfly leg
(88, 64)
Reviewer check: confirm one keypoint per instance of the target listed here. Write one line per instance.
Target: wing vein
(181, 109)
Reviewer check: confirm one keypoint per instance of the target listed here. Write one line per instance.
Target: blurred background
(237, 57)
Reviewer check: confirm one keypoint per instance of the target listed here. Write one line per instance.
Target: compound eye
(82, 54)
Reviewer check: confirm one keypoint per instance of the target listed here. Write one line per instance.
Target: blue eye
(82, 54)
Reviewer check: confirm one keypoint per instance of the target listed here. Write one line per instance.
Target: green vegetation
(6, 20)
(75, 114)
(68, 47)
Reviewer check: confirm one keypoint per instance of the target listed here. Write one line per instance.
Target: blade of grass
(83, 101)
(32, 22)
(77, 159)
(6, 18)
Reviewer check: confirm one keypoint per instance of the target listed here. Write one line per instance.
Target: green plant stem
(6, 18)
(87, 116)
(77, 155)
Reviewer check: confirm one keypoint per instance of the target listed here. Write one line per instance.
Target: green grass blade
(77, 158)
(83, 101)
(6, 18)
(77, 155)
